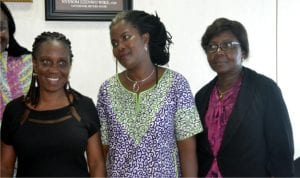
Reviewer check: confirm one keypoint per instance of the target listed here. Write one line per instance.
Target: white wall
(288, 61)
(186, 21)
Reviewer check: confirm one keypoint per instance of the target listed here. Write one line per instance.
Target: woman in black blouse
(51, 128)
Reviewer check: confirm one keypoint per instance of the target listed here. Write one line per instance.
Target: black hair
(221, 25)
(33, 93)
(14, 49)
(160, 39)
(50, 36)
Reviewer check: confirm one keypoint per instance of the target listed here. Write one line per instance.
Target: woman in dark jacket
(247, 130)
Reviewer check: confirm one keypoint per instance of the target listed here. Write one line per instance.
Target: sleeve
(90, 116)
(26, 72)
(10, 123)
(102, 113)
(278, 133)
(187, 120)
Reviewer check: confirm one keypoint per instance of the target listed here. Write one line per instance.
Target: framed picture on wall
(85, 10)
(16, 0)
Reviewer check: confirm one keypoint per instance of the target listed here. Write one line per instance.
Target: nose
(54, 68)
(219, 50)
(120, 46)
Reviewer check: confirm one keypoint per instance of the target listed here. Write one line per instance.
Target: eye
(226, 45)
(212, 47)
(63, 64)
(126, 37)
(46, 62)
(229, 45)
(114, 44)
(3, 28)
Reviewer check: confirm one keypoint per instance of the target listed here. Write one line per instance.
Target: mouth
(219, 63)
(53, 80)
(123, 56)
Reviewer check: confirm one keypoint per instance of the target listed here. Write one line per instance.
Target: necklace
(222, 94)
(136, 86)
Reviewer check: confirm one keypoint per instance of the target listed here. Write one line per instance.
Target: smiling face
(52, 65)
(225, 61)
(128, 44)
(4, 31)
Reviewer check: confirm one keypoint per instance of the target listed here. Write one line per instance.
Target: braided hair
(32, 96)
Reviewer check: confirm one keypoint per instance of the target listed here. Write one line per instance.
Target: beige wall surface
(186, 21)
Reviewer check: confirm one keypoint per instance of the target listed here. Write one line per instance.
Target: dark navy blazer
(258, 139)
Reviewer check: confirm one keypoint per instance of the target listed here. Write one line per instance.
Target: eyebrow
(123, 33)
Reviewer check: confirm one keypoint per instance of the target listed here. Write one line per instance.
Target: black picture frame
(82, 12)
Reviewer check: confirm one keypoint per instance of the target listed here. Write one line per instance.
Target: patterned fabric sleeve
(25, 77)
(15, 77)
(187, 119)
(101, 107)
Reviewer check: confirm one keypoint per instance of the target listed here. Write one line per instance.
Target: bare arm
(8, 159)
(95, 156)
(188, 157)
(105, 151)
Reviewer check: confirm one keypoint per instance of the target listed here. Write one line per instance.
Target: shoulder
(84, 105)
(26, 58)
(176, 77)
(109, 82)
(14, 110)
(206, 89)
(12, 117)
(80, 99)
(173, 73)
(259, 80)
(16, 103)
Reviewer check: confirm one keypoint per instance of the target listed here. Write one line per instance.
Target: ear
(146, 38)
(243, 56)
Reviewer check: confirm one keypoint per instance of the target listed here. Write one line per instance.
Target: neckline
(139, 81)
(135, 85)
(165, 72)
(48, 110)
(223, 95)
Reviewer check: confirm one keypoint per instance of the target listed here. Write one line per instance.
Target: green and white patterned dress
(142, 130)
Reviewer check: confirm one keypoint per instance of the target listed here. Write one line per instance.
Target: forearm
(6, 172)
(95, 157)
(189, 165)
(97, 169)
(8, 158)
(188, 157)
